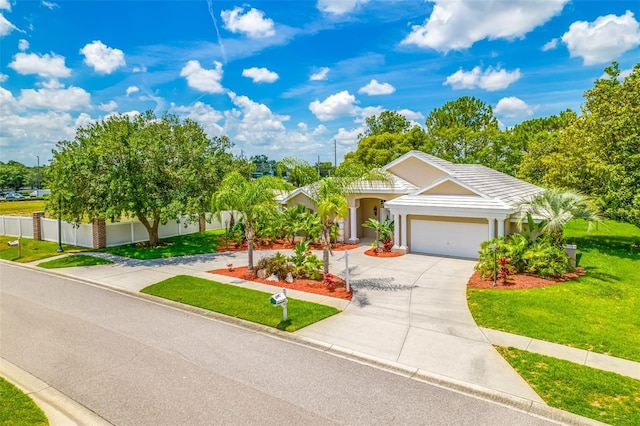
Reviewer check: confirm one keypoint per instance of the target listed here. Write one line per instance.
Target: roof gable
(418, 168)
(449, 186)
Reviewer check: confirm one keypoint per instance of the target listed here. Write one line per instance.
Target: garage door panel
(460, 239)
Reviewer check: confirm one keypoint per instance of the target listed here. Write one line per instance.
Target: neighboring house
(438, 207)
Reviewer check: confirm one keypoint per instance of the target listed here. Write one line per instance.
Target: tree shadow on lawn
(612, 245)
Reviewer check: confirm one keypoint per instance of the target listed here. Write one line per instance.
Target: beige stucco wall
(449, 188)
(302, 199)
(417, 172)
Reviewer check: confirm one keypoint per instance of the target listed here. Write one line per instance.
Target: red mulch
(372, 252)
(310, 286)
(279, 245)
(521, 281)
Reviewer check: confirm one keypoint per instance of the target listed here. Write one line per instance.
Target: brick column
(99, 233)
(37, 225)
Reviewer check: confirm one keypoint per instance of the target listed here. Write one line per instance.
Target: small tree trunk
(202, 222)
(249, 234)
(325, 238)
(152, 230)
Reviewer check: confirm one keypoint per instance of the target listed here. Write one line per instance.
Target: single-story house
(438, 207)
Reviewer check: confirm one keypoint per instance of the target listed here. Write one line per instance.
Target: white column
(353, 224)
(403, 230)
(396, 230)
(501, 227)
(492, 228)
(384, 213)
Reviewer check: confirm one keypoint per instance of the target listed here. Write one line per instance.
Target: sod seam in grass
(239, 302)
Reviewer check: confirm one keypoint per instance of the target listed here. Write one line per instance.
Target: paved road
(136, 362)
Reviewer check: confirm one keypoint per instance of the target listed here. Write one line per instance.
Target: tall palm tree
(555, 208)
(250, 198)
(330, 195)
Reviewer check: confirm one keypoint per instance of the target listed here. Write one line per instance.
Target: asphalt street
(135, 362)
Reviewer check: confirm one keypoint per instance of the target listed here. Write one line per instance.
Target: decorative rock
(273, 277)
(289, 278)
(262, 273)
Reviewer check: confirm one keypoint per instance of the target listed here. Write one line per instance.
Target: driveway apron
(412, 310)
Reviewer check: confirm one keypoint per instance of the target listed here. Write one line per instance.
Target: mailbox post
(16, 243)
(280, 299)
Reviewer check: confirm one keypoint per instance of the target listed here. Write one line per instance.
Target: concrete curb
(505, 399)
(59, 408)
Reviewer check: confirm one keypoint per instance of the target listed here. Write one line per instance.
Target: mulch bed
(372, 252)
(310, 286)
(279, 245)
(521, 281)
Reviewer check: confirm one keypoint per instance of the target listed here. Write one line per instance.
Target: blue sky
(287, 78)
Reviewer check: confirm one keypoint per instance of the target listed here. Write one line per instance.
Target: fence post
(99, 233)
(37, 225)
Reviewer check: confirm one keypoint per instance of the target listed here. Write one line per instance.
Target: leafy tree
(13, 175)
(386, 122)
(600, 151)
(298, 172)
(153, 168)
(251, 198)
(263, 166)
(555, 208)
(465, 131)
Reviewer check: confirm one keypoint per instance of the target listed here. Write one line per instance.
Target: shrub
(547, 260)
(277, 265)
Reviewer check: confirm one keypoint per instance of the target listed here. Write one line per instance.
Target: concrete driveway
(412, 310)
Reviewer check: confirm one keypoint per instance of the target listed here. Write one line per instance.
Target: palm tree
(330, 195)
(555, 208)
(250, 198)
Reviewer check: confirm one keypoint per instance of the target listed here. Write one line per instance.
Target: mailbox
(13, 243)
(278, 299)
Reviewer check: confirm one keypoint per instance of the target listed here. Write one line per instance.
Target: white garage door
(460, 239)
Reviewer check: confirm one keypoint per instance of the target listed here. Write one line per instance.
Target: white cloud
(491, 79)
(204, 114)
(411, 115)
(132, 89)
(253, 23)
(57, 99)
(339, 7)
(513, 107)
(320, 75)
(374, 88)
(260, 75)
(458, 24)
(252, 122)
(3, 77)
(23, 45)
(102, 58)
(108, 107)
(139, 69)
(8, 104)
(203, 79)
(604, 39)
(49, 4)
(5, 26)
(5, 5)
(338, 105)
(367, 112)
(551, 44)
(44, 66)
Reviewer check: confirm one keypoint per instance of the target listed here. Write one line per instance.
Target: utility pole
(38, 175)
(318, 165)
(335, 154)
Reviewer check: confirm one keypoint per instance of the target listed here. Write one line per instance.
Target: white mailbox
(280, 299)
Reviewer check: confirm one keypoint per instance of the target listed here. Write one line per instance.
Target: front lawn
(598, 312)
(239, 302)
(74, 260)
(182, 245)
(17, 409)
(31, 249)
(600, 395)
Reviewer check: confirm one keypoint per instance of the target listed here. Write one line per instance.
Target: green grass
(32, 250)
(74, 260)
(21, 207)
(598, 312)
(17, 409)
(600, 395)
(183, 245)
(239, 302)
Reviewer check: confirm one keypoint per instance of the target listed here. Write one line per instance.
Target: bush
(277, 265)
(547, 260)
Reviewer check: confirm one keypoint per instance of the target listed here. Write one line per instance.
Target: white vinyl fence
(119, 233)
